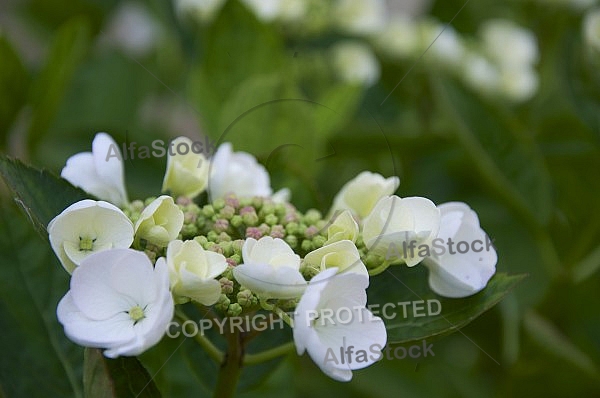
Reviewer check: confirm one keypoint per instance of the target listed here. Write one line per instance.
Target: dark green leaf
(37, 359)
(39, 193)
(401, 284)
(115, 378)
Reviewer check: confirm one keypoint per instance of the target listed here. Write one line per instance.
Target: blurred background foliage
(320, 91)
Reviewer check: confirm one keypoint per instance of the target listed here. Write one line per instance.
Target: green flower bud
(292, 241)
(250, 219)
(271, 219)
(236, 258)
(306, 245)
(202, 240)
(226, 286)
(227, 212)
(291, 228)
(223, 303)
(234, 309)
(312, 216)
(244, 298)
(208, 211)
(218, 204)
(236, 220)
(319, 241)
(212, 236)
(237, 246)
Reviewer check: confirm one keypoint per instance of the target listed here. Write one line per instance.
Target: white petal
(111, 171)
(281, 282)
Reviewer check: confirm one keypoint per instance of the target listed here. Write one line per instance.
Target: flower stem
(212, 351)
(380, 269)
(231, 367)
(254, 359)
(281, 313)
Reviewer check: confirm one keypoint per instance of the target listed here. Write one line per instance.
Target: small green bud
(223, 303)
(208, 211)
(291, 228)
(271, 219)
(234, 309)
(250, 219)
(306, 245)
(292, 241)
(319, 241)
(244, 298)
(218, 204)
(312, 216)
(226, 286)
(212, 236)
(202, 240)
(236, 220)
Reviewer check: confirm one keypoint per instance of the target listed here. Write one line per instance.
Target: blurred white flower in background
(132, 28)
(400, 38)
(575, 4)
(480, 73)
(508, 44)
(360, 17)
(265, 10)
(446, 44)
(201, 10)
(100, 172)
(355, 63)
(591, 30)
(118, 301)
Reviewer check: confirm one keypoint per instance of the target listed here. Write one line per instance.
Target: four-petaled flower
(331, 316)
(118, 301)
(87, 227)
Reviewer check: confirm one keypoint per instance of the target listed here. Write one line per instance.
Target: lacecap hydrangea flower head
(244, 251)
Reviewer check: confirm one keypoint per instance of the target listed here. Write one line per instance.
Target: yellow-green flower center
(86, 244)
(136, 313)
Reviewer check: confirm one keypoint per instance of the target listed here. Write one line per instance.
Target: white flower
(465, 268)
(265, 10)
(160, 222)
(132, 28)
(360, 194)
(100, 172)
(343, 227)
(360, 16)
(186, 175)
(400, 38)
(446, 44)
(394, 222)
(480, 73)
(87, 227)
(342, 255)
(270, 269)
(591, 29)
(355, 63)
(238, 173)
(331, 317)
(508, 44)
(118, 301)
(203, 10)
(519, 84)
(192, 272)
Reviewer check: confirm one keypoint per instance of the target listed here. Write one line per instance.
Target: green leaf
(67, 51)
(549, 337)
(39, 193)
(14, 82)
(340, 103)
(507, 159)
(37, 359)
(401, 284)
(111, 378)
